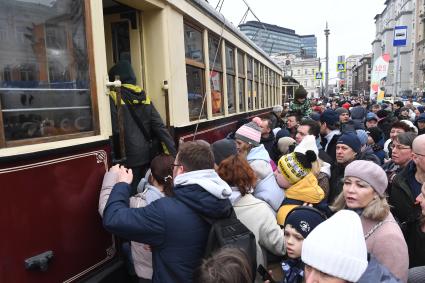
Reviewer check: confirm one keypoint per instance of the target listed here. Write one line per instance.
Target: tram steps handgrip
(39, 262)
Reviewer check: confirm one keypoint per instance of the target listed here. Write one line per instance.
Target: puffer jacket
(136, 144)
(147, 193)
(172, 226)
(306, 190)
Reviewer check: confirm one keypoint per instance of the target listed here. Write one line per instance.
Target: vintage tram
(201, 73)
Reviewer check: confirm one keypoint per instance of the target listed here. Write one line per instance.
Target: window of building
(195, 69)
(299, 72)
(216, 75)
(305, 72)
(231, 79)
(56, 93)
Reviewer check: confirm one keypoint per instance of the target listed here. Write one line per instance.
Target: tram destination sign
(400, 36)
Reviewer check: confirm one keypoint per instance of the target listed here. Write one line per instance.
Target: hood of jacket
(258, 153)
(208, 179)
(326, 168)
(306, 190)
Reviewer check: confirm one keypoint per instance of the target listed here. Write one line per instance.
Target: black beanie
(124, 70)
(304, 219)
(300, 93)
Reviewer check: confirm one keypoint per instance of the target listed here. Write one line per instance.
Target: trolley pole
(327, 32)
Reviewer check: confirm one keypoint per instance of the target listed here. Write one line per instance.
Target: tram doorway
(123, 37)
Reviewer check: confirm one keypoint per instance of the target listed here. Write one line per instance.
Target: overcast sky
(351, 23)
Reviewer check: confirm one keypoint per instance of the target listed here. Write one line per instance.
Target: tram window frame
(200, 66)
(94, 128)
(231, 77)
(261, 75)
(216, 69)
(241, 80)
(266, 87)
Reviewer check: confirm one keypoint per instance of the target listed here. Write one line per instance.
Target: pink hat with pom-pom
(250, 132)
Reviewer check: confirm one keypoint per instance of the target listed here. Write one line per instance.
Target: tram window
(255, 92)
(241, 65)
(241, 94)
(230, 68)
(195, 69)
(46, 91)
(249, 68)
(250, 95)
(231, 94)
(193, 43)
(195, 88)
(214, 52)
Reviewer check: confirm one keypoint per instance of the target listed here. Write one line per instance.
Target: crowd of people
(333, 190)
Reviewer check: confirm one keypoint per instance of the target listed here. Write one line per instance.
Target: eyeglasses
(422, 155)
(175, 165)
(399, 146)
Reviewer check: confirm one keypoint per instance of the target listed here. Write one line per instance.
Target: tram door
(123, 38)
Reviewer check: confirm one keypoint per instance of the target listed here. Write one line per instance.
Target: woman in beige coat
(364, 192)
(254, 213)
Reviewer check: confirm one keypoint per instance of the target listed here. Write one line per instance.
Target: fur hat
(337, 247)
(351, 140)
(341, 110)
(250, 132)
(277, 108)
(223, 149)
(369, 172)
(304, 219)
(300, 93)
(295, 166)
(284, 144)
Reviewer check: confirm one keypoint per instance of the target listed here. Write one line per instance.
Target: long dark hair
(162, 172)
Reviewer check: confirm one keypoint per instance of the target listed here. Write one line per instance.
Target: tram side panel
(50, 205)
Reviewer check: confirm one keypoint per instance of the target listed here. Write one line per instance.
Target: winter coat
(256, 215)
(369, 155)
(336, 182)
(305, 190)
(330, 146)
(268, 143)
(266, 188)
(277, 121)
(303, 109)
(415, 239)
(377, 273)
(172, 226)
(142, 257)
(387, 244)
(402, 200)
(136, 144)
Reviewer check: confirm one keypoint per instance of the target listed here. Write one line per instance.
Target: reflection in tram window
(214, 48)
(45, 87)
(241, 94)
(194, 77)
(193, 44)
(216, 93)
(250, 93)
(230, 69)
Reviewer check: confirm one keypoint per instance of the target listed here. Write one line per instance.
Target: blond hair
(376, 210)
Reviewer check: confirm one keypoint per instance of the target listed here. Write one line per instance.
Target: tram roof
(218, 16)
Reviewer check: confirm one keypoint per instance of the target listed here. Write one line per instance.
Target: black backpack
(232, 233)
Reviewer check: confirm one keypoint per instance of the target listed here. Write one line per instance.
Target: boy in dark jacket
(174, 227)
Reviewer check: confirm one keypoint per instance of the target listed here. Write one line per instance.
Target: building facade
(351, 61)
(275, 39)
(401, 73)
(361, 75)
(302, 70)
(419, 78)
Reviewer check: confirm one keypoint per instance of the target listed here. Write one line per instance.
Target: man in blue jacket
(173, 226)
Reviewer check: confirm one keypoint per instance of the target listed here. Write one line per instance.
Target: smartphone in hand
(264, 274)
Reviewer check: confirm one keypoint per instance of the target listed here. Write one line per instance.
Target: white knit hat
(308, 143)
(337, 247)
